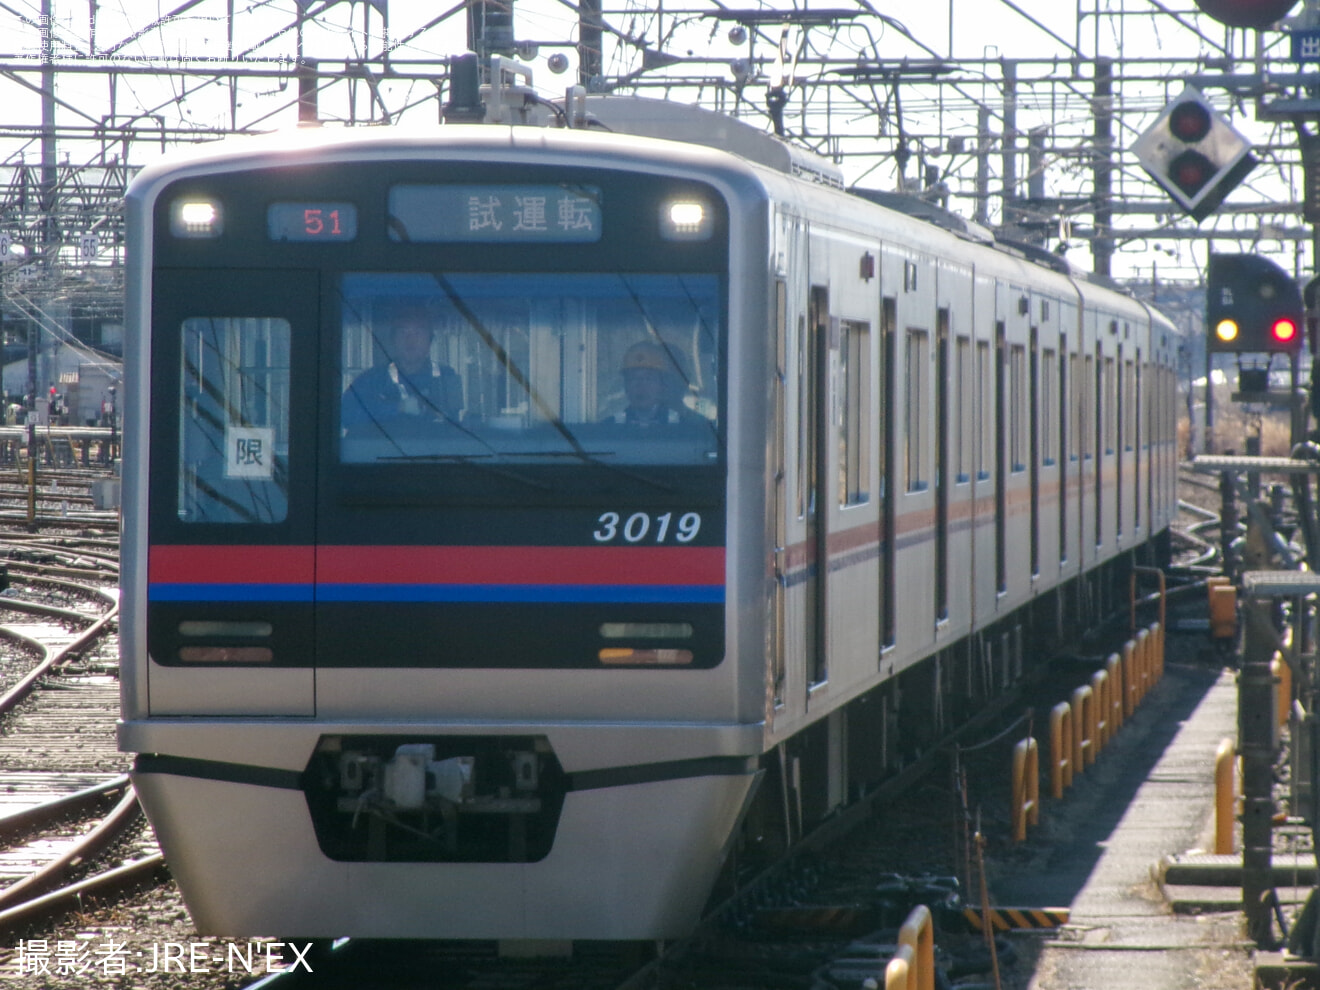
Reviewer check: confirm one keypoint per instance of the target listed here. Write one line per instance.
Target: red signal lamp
(1190, 121)
(1283, 331)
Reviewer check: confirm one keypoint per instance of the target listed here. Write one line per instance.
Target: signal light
(1190, 121)
(1252, 305)
(1194, 153)
(1246, 13)
(1284, 332)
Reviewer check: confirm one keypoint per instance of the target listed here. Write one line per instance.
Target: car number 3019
(642, 527)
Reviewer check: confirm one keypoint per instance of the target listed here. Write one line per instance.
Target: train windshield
(530, 368)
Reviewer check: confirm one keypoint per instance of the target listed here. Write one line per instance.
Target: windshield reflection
(532, 368)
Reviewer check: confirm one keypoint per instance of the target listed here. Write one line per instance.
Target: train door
(943, 481)
(953, 398)
(888, 543)
(1033, 448)
(232, 514)
(1064, 449)
(998, 424)
(1103, 451)
(1121, 445)
(779, 500)
(814, 422)
(1138, 459)
(796, 476)
(1085, 410)
(983, 553)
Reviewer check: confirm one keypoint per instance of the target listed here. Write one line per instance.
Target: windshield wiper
(520, 377)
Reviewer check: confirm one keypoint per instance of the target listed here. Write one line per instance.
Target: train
(522, 519)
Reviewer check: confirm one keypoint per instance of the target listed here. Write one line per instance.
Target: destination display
(494, 213)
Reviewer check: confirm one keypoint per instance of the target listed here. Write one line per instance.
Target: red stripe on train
(622, 565)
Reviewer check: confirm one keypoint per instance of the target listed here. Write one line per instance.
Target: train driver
(653, 384)
(411, 388)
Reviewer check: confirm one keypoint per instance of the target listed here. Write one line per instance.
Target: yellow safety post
(1083, 709)
(1157, 651)
(1223, 611)
(1100, 691)
(1129, 679)
(1164, 595)
(900, 973)
(1143, 664)
(1061, 733)
(1114, 668)
(1282, 674)
(918, 931)
(1225, 796)
(1026, 788)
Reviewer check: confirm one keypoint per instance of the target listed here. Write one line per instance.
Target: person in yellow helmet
(653, 384)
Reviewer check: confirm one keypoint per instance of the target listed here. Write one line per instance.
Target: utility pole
(49, 247)
(1102, 246)
(591, 64)
(1011, 212)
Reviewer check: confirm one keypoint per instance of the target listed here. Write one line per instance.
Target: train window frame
(916, 431)
(1110, 407)
(963, 396)
(1088, 399)
(255, 444)
(1049, 403)
(571, 418)
(985, 390)
(1017, 399)
(854, 428)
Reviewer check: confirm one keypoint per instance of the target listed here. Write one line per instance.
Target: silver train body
(919, 439)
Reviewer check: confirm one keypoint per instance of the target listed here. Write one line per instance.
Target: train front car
(427, 630)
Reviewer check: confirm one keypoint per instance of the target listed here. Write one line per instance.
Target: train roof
(677, 125)
(690, 124)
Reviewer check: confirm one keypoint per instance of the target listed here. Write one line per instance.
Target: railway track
(66, 802)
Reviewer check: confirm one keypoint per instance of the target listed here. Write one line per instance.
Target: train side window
(985, 426)
(1110, 409)
(1131, 402)
(1049, 405)
(963, 397)
(1075, 420)
(1088, 405)
(855, 425)
(1017, 397)
(918, 412)
(234, 420)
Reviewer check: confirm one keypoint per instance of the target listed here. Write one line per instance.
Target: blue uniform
(384, 396)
